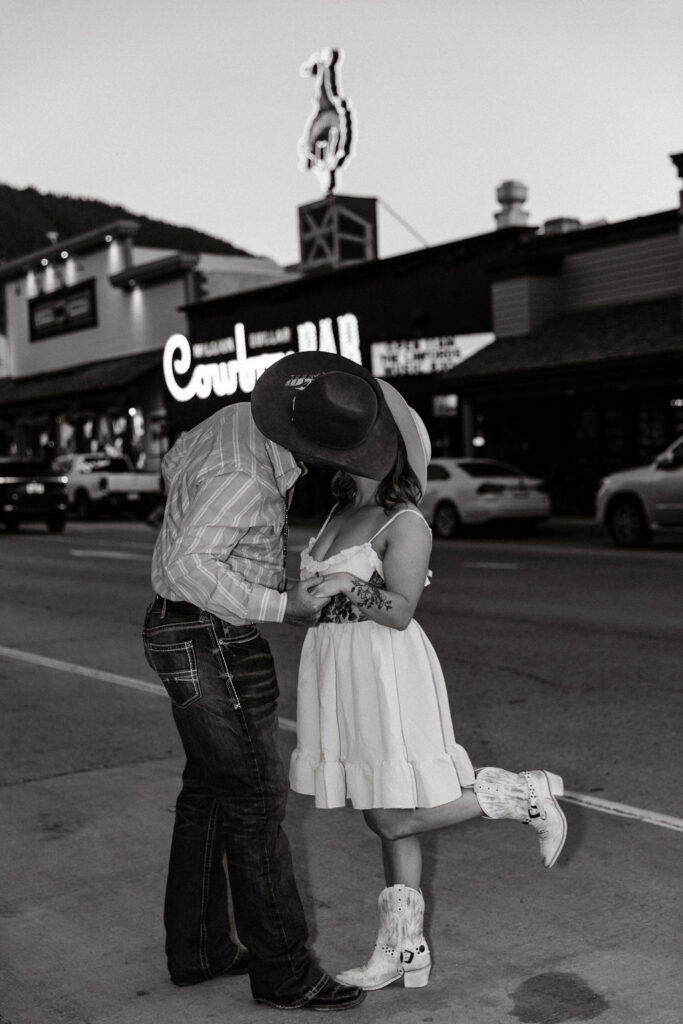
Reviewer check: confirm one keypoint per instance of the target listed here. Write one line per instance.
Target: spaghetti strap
(390, 521)
(329, 516)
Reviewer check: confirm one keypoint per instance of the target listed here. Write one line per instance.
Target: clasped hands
(307, 598)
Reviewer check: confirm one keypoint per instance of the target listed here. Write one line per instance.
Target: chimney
(511, 195)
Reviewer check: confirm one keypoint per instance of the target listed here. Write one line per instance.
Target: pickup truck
(97, 482)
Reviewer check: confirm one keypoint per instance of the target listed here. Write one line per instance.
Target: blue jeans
(223, 690)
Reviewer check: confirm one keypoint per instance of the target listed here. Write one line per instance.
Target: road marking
(648, 817)
(103, 553)
(593, 803)
(82, 670)
(491, 565)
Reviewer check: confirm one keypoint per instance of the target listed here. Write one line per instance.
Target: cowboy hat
(329, 409)
(412, 430)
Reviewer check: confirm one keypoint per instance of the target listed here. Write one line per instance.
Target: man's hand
(303, 604)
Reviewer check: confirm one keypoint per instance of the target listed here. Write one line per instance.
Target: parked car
(31, 491)
(98, 482)
(634, 504)
(468, 491)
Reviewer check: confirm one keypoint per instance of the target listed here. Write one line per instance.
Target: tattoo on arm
(368, 596)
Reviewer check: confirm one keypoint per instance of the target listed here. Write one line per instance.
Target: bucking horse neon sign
(329, 135)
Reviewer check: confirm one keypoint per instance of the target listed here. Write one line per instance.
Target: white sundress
(373, 721)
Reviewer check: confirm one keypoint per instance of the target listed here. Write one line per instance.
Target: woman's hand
(332, 584)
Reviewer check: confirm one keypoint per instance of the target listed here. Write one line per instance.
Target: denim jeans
(223, 690)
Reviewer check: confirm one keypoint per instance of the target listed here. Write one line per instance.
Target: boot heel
(556, 784)
(418, 978)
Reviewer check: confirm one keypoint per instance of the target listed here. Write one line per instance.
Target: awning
(108, 375)
(589, 339)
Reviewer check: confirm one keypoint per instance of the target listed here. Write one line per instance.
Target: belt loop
(163, 607)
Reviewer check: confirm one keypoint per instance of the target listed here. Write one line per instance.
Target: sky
(190, 111)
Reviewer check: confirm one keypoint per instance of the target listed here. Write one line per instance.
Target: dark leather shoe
(332, 996)
(239, 966)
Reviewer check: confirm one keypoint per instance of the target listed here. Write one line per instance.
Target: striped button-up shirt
(221, 544)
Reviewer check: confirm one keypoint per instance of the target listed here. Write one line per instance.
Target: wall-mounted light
(109, 238)
(132, 411)
(479, 441)
(131, 282)
(64, 254)
(44, 262)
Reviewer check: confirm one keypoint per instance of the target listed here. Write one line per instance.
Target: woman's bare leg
(400, 823)
(402, 859)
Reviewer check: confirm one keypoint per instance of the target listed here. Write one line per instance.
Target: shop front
(407, 319)
(115, 406)
(581, 397)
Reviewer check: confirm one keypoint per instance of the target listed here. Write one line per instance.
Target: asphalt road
(559, 651)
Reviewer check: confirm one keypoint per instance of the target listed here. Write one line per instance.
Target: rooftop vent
(561, 225)
(511, 195)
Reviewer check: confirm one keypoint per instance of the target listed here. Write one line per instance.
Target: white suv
(635, 503)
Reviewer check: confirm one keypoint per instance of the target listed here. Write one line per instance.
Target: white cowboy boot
(528, 797)
(415, 955)
(401, 950)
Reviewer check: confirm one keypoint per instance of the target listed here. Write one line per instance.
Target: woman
(373, 719)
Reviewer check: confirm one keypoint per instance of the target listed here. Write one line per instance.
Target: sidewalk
(85, 857)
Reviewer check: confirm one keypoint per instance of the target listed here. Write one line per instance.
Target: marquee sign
(329, 134)
(187, 378)
(410, 357)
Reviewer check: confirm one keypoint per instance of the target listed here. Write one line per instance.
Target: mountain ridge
(27, 215)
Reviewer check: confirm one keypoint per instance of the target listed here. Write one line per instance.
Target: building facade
(85, 321)
(408, 319)
(585, 376)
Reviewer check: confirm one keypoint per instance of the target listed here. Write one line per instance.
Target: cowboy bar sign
(186, 379)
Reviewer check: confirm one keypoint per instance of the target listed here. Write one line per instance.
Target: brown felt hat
(329, 409)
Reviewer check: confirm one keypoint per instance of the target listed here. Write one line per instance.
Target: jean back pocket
(176, 666)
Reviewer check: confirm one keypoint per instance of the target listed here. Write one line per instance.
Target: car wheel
(446, 520)
(56, 523)
(626, 523)
(83, 505)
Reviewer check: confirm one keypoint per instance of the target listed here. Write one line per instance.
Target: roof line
(77, 243)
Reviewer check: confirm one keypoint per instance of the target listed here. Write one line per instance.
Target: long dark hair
(398, 486)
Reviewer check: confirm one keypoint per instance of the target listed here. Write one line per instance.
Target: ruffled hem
(383, 784)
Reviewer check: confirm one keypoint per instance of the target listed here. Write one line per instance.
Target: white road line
(593, 803)
(82, 670)
(644, 815)
(103, 553)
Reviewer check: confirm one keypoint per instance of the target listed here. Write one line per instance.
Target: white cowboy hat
(412, 430)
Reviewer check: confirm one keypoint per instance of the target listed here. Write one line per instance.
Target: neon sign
(329, 133)
(226, 377)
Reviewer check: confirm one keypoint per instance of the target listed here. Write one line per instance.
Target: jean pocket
(233, 636)
(176, 666)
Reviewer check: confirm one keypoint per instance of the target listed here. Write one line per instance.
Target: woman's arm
(405, 564)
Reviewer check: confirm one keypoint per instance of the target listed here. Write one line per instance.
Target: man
(218, 568)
